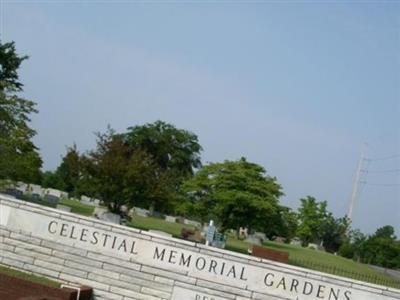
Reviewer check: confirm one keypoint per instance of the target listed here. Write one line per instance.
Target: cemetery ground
(151, 223)
(76, 206)
(298, 256)
(29, 277)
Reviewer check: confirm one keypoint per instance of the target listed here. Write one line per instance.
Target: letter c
(50, 224)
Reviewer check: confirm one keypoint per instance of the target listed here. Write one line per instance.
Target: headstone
(14, 192)
(53, 192)
(51, 199)
(193, 223)
(312, 246)
(162, 233)
(280, 239)
(295, 241)
(219, 240)
(158, 215)
(35, 189)
(141, 212)
(110, 217)
(254, 240)
(210, 233)
(261, 236)
(36, 197)
(98, 211)
(23, 187)
(89, 201)
(170, 219)
(243, 232)
(85, 198)
(63, 207)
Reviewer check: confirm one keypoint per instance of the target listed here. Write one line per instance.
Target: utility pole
(356, 183)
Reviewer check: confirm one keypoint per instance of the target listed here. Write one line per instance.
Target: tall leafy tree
(236, 193)
(19, 158)
(334, 232)
(174, 150)
(69, 171)
(318, 225)
(50, 179)
(175, 155)
(382, 248)
(121, 175)
(312, 215)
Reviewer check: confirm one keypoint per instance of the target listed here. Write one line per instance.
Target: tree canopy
(143, 166)
(19, 158)
(236, 193)
(318, 225)
(380, 249)
(174, 150)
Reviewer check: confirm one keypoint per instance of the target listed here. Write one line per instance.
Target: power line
(357, 179)
(380, 171)
(383, 184)
(383, 158)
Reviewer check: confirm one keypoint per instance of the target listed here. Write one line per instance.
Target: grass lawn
(148, 223)
(29, 277)
(321, 261)
(77, 207)
(298, 256)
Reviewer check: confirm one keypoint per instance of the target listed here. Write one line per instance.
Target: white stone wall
(122, 263)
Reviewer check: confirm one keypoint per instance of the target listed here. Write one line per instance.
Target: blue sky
(294, 86)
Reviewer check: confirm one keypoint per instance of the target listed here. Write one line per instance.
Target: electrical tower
(356, 183)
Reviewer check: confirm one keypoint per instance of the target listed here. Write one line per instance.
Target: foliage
(318, 225)
(10, 62)
(174, 150)
(237, 193)
(144, 166)
(300, 256)
(287, 223)
(334, 232)
(311, 217)
(19, 159)
(69, 171)
(68, 175)
(51, 180)
(380, 249)
(122, 176)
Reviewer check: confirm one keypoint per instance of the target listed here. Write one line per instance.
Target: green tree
(173, 149)
(175, 155)
(19, 158)
(69, 171)
(334, 232)
(236, 193)
(52, 180)
(120, 175)
(311, 214)
(286, 223)
(385, 232)
(382, 248)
